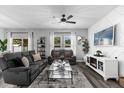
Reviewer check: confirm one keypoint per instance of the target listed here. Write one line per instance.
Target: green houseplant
(85, 46)
(3, 45)
(98, 53)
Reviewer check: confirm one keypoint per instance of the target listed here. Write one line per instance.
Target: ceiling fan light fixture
(63, 15)
(65, 19)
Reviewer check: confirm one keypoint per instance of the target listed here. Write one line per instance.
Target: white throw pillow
(25, 61)
(36, 57)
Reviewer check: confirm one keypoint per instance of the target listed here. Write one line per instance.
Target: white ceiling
(39, 16)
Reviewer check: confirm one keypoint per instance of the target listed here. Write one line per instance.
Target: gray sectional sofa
(16, 73)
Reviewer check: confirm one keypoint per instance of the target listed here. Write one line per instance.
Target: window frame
(65, 42)
(60, 41)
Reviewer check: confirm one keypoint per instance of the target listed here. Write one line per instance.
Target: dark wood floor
(95, 79)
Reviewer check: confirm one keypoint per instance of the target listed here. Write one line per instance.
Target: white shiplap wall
(2, 34)
(113, 18)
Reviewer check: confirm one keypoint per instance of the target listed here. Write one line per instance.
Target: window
(67, 41)
(20, 45)
(57, 41)
(25, 44)
(62, 40)
(17, 42)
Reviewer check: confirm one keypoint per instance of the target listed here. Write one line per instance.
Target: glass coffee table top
(56, 66)
(60, 70)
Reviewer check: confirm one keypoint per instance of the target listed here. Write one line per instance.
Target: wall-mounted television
(104, 37)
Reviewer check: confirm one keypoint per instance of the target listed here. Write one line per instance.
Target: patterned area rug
(5, 85)
(79, 81)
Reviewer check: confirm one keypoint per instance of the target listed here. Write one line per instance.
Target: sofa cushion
(10, 56)
(15, 62)
(3, 64)
(67, 55)
(30, 59)
(34, 68)
(31, 53)
(11, 64)
(18, 62)
(40, 62)
(25, 53)
(56, 54)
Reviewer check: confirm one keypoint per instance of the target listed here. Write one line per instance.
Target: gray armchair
(68, 54)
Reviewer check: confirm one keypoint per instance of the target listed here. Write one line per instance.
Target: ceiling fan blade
(69, 17)
(71, 22)
(56, 19)
(60, 22)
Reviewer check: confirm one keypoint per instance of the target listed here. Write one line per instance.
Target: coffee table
(57, 71)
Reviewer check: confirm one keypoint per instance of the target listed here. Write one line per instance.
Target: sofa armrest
(17, 76)
(50, 60)
(73, 58)
(49, 56)
(18, 69)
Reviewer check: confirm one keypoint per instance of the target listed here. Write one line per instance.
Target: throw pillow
(36, 57)
(25, 61)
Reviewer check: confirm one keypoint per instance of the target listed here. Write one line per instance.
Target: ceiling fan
(66, 19)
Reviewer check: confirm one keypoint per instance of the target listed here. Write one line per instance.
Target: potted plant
(3, 45)
(85, 46)
(98, 52)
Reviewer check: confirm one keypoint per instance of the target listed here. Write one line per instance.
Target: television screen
(104, 37)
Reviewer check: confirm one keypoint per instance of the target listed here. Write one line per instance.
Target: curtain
(73, 42)
(9, 44)
(30, 41)
(51, 41)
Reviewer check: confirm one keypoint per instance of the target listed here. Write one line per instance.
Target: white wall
(114, 17)
(2, 34)
(79, 48)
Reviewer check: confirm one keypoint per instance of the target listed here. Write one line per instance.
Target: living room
(84, 43)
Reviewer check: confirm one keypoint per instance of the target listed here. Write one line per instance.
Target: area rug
(5, 85)
(79, 80)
